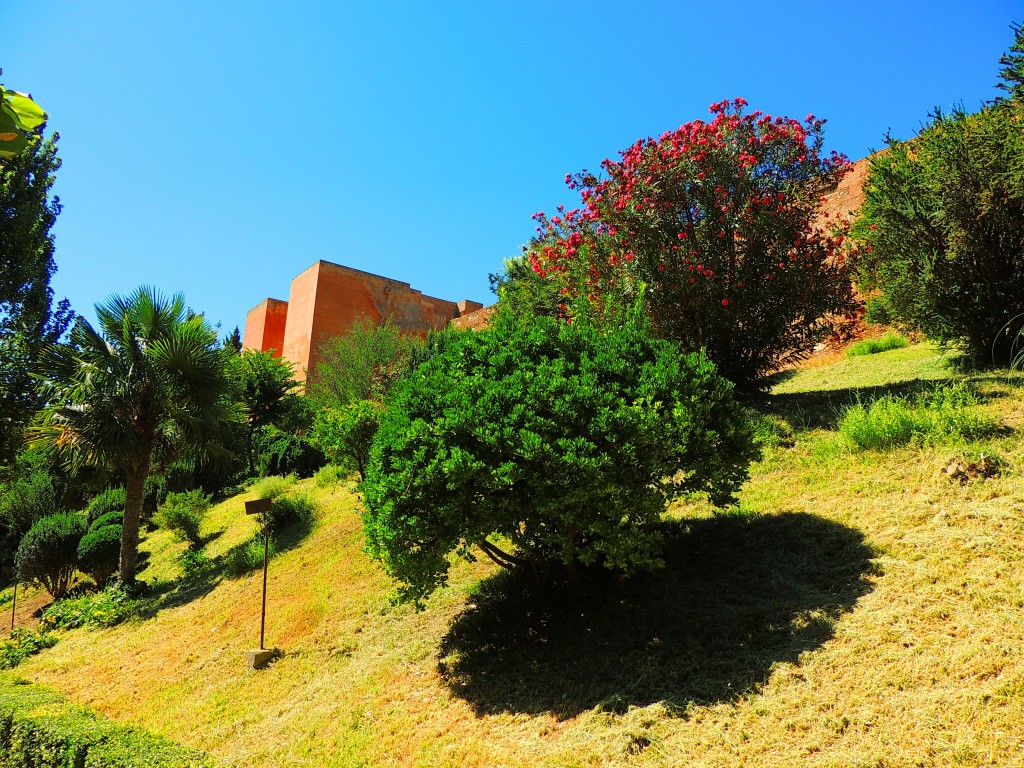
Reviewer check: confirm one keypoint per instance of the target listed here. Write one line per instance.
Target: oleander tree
(718, 225)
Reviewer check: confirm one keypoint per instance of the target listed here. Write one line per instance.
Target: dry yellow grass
(912, 657)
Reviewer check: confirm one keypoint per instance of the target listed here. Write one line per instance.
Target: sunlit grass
(861, 609)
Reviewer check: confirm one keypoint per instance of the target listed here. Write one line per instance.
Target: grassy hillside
(862, 608)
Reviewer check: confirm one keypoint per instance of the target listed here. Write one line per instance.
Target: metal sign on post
(258, 659)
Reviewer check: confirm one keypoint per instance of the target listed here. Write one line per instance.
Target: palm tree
(149, 386)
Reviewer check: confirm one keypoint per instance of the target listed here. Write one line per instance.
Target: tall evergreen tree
(28, 319)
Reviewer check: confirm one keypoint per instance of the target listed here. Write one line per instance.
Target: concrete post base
(258, 659)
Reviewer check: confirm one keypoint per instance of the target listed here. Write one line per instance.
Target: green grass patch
(945, 414)
(874, 346)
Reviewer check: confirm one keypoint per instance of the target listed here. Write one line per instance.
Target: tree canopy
(148, 388)
(546, 443)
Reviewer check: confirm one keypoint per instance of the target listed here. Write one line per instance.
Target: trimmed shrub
(111, 518)
(564, 441)
(99, 552)
(39, 728)
(111, 500)
(48, 553)
(183, 513)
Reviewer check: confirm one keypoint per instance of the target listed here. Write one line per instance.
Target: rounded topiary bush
(99, 552)
(48, 553)
(111, 500)
(548, 446)
(111, 518)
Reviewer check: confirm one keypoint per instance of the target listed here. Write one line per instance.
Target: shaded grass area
(737, 596)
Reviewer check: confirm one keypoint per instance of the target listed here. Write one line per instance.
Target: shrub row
(39, 728)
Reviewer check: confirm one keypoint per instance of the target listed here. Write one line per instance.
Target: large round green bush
(548, 446)
(47, 554)
(99, 551)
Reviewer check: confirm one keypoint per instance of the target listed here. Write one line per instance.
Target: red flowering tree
(716, 224)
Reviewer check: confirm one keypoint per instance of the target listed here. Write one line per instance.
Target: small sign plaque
(257, 507)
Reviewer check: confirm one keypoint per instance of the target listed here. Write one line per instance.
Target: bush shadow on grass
(737, 595)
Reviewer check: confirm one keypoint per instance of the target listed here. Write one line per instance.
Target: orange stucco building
(327, 299)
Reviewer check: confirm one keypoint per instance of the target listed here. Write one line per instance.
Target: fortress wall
(264, 326)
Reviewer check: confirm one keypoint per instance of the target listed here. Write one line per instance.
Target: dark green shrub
(283, 453)
(111, 500)
(27, 494)
(99, 552)
(111, 518)
(559, 439)
(193, 561)
(876, 311)
(39, 728)
(183, 513)
(286, 511)
(48, 553)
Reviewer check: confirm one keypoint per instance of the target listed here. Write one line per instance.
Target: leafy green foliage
(266, 387)
(330, 474)
(28, 492)
(942, 228)
(946, 414)
(98, 552)
(523, 292)
(106, 608)
(111, 518)
(183, 513)
(273, 486)
(21, 120)
(362, 364)
(283, 453)
(715, 227)
(874, 346)
(48, 553)
(247, 558)
(23, 643)
(150, 387)
(39, 728)
(110, 500)
(28, 320)
(345, 434)
(1012, 62)
(559, 439)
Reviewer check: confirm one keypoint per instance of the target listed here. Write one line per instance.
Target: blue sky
(219, 149)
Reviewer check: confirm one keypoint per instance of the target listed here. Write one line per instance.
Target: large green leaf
(19, 117)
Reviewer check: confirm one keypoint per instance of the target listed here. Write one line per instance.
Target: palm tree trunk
(135, 488)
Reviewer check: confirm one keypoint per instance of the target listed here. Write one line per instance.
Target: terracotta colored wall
(328, 298)
(265, 325)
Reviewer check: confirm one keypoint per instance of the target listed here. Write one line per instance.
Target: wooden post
(261, 507)
(14, 605)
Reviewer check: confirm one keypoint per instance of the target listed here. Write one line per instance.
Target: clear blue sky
(220, 148)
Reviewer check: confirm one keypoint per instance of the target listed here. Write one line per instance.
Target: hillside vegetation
(859, 608)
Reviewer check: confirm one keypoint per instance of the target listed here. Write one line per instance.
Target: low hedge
(40, 729)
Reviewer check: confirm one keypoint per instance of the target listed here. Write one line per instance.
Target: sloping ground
(862, 609)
